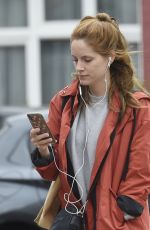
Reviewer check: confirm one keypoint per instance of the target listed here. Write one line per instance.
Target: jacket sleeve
(48, 170)
(134, 190)
(39, 161)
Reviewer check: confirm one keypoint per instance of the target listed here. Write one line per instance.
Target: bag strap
(64, 102)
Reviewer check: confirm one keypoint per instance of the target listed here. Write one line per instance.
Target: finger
(45, 142)
(34, 132)
(39, 137)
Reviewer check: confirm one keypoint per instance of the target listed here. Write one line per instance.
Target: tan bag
(51, 206)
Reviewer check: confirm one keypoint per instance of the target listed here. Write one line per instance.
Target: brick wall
(146, 40)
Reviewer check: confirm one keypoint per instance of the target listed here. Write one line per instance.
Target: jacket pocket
(139, 223)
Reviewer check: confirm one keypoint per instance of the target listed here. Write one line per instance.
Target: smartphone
(37, 121)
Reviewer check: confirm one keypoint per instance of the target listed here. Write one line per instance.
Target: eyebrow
(85, 56)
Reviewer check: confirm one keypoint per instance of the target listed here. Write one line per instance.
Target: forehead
(80, 47)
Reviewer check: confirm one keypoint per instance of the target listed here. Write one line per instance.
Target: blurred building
(35, 59)
(146, 41)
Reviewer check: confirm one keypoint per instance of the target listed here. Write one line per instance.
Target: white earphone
(109, 62)
(80, 90)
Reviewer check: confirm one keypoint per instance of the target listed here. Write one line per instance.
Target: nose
(79, 67)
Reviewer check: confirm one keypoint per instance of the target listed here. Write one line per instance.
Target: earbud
(109, 62)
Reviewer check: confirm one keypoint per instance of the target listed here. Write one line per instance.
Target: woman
(104, 93)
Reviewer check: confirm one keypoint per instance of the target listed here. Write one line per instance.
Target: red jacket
(137, 183)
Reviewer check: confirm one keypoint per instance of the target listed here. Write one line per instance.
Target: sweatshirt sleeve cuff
(39, 161)
(129, 206)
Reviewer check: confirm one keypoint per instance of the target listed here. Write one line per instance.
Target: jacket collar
(71, 90)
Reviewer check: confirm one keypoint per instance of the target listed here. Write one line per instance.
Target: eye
(87, 59)
(75, 60)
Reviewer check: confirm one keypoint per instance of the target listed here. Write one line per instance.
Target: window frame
(39, 29)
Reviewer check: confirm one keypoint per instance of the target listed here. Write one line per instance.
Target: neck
(99, 88)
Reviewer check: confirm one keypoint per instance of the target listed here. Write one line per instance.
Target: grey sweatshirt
(82, 140)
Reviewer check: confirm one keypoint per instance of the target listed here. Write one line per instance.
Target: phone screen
(37, 121)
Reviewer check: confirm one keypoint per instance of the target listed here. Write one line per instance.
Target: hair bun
(103, 17)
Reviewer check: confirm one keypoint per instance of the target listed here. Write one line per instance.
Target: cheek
(100, 67)
(96, 69)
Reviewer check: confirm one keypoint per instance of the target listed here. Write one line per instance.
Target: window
(13, 13)
(62, 9)
(124, 11)
(57, 67)
(34, 47)
(12, 76)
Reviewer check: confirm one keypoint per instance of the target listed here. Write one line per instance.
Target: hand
(40, 141)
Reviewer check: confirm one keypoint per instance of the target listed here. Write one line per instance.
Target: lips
(83, 76)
